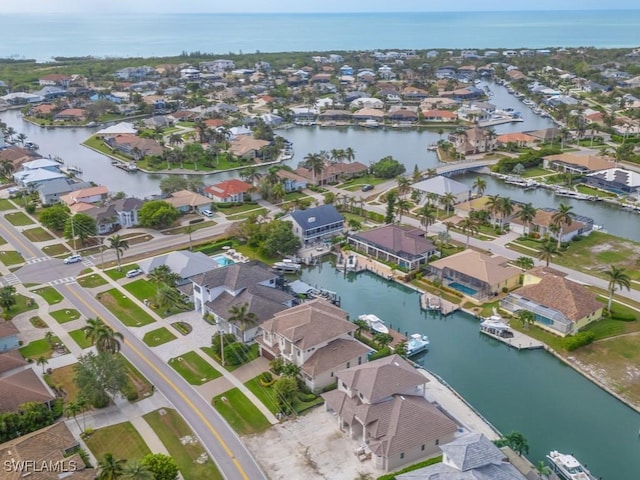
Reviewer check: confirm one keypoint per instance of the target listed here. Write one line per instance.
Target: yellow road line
(20, 241)
(177, 390)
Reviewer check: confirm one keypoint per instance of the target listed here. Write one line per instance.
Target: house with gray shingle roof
(316, 224)
(406, 246)
(472, 457)
(183, 262)
(381, 405)
(217, 290)
(443, 186)
(316, 336)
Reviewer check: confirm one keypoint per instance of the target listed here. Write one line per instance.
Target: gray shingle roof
(473, 451)
(441, 186)
(184, 263)
(236, 276)
(397, 239)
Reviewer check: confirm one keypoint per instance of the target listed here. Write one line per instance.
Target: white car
(207, 213)
(134, 273)
(73, 259)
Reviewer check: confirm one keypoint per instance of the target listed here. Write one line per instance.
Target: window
(437, 441)
(359, 360)
(348, 364)
(402, 455)
(331, 374)
(422, 448)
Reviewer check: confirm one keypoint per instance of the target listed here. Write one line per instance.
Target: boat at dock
(74, 170)
(286, 266)
(521, 182)
(432, 147)
(375, 324)
(370, 123)
(434, 303)
(496, 326)
(568, 467)
(126, 166)
(417, 343)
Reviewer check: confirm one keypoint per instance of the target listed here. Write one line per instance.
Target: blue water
(126, 35)
(222, 260)
(463, 288)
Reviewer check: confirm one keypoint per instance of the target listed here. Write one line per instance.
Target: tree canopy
(99, 377)
(55, 217)
(157, 214)
(387, 167)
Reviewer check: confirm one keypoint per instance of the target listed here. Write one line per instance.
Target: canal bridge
(463, 166)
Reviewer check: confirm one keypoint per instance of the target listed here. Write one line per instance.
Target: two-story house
(316, 336)
(217, 290)
(316, 224)
(382, 405)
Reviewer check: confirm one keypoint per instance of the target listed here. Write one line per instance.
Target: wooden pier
(431, 302)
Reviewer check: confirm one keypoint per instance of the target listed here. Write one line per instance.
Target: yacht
(286, 266)
(416, 344)
(432, 147)
(568, 467)
(370, 123)
(374, 323)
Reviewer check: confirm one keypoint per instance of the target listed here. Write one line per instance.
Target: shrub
(276, 365)
(383, 352)
(129, 391)
(30, 208)
(235, 353)
(266, 376)
(330, 387)
(579, 340)
(305, 397)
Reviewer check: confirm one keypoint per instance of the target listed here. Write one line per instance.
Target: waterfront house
(317, 337)
(519, 139)
(382, 406)
(475, 274)
(245, 146)
(542, 222)
(71, 114)
(184, 263)
(407, 247)
(580, 164)
(471, 457)
(439, 116)
(402, 116)
(55, 79)
(187, 201)
(50, 93)
(41, 163)
(316, 224)
(134, 146)
(335, 116)
(18, 156)
(558, 304)
(8, 336)
(367, 103)
(291, 181)
(441, 186)
(33, 179)
(127, 211)
(122, 128)
(86, 195)
(217, 290)
(473, 141)
(47, 454)
(615, 180)
(228, 191)
(51, 192)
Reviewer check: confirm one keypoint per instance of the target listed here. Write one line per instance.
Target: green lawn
(39, 348)
(2, 241)
(37, 322)
(242, 415)
(242, 216)
(136, 379)
(143, 290)
(37, 234)
(253, 352)
(123, 307)
(11, 257)
(121, 440)
(23, 304)
(65, 315)
(171, 429)
(18, 219)
(50, 294)
(6, 204)
(80, 338)
(594, 191)
(237, 208)
(535, 172)
(195, 226)
(193, 368)
(55, 250)
(92, 281)
(114, 274)
(158, 336)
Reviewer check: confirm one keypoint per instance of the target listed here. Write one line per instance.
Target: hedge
(578, 340)
(411, 468)
(214, 247)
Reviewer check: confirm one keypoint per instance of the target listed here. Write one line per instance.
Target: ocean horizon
(43, 36)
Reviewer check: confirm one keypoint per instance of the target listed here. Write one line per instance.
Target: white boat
(432, 147)
(496, 327)
(433, 303)
(286, 266)
(370, 123)
(374, 323)
(416, 344)
(352, 263)
(568, 467)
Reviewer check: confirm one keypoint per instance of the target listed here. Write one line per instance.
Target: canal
(532, 392)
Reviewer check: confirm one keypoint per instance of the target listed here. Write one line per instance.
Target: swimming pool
(463, 288)
(222, 260)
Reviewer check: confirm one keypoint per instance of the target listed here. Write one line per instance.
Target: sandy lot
(308, 448)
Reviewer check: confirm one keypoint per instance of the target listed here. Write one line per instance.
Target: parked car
(207, 213)
(367, 187)
(134, 273)
(73, 259)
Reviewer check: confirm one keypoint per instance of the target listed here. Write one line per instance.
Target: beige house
(316, 336)
(559, 304)
(473, 141)
(187, 201)
(572, 163)
(542, 224)
(382, 406)
(245, 146)
(475, 274)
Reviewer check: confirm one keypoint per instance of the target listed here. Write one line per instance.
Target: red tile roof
(228, 188)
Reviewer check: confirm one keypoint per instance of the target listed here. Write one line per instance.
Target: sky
(302, 6)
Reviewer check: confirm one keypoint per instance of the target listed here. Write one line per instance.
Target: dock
(433, 303)
(397, 337)
(519, 340)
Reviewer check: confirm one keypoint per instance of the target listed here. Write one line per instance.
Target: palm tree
(468, 228)
(401, 349)
(136, 471)
(526, 317)
(547, 251)
(493, 206)
(448, 200)
(278, 192)
(431, 172)
(7, 168)
(105, 338)
(402, 207)
(618, 278)
(42, 361)
(480, 185)
(524, 262)
(404, 184)
(162, 274)
(526, 214)
(564, 216)
(168, 297)
(71, 410)
(349, 154)
(250, 175)
(361, 326)
(543, 469)
(506, 209)
(189, 229)
(119, 245)
(175, 139)
(110, 467)
(242, 317)
(427, 216)
(315, 163)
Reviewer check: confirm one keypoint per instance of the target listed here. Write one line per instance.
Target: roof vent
(312, 219)
(401, 397)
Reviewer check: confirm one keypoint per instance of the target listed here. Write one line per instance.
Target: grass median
(124, 308)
